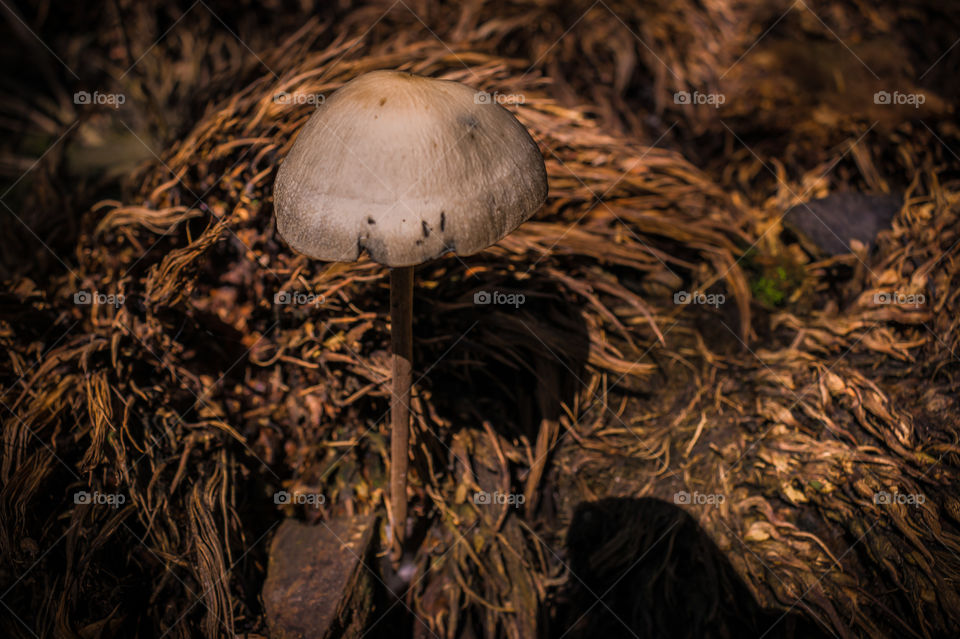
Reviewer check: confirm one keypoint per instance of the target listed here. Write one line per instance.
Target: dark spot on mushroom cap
(370, 220)
(426, 228)
(383, 101)
(443, 220)
(470, 122)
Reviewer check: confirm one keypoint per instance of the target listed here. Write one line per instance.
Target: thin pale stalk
(401, 317)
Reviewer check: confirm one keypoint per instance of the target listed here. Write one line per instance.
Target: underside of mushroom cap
(408, 168)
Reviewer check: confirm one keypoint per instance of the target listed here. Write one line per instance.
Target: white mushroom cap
(407, 168)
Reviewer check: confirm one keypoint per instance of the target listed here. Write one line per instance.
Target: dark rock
(827, 226)
(319, 582)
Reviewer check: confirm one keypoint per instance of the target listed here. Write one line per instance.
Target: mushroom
(407, 168)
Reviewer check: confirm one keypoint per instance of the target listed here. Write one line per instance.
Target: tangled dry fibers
(199, 397)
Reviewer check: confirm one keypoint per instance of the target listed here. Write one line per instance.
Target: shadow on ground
(659, 575)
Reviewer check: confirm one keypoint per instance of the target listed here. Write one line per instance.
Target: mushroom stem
(401, 318)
